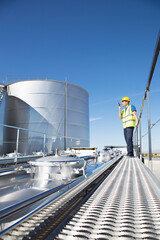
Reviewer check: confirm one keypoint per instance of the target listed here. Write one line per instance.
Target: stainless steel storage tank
(55, 108)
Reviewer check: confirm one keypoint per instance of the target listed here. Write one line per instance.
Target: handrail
(44, 137)
(146, 96)
(20, 128)
(30, 130)
(155, 58)
(152, 125)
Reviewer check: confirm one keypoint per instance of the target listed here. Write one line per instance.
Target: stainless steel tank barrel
(56, 108)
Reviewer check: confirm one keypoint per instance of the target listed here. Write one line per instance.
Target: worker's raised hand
(119, 106)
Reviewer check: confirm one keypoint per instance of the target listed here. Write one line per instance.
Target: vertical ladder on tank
(2, 91)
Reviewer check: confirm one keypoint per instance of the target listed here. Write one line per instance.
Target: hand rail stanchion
(65, 116)
(60, 143)
(137, 140)
(149, 131)
(44, 144)
(17, 144)
(140, 139)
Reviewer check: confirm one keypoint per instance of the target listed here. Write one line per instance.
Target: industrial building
(55, 112)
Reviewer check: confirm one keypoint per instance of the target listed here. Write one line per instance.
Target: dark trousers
(128, 134)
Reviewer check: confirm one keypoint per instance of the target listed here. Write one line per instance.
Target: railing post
(60, 143)
(149, 129)
(140, 139)
(17, 144)
(44, 144)
(65, 116)
(137, 140)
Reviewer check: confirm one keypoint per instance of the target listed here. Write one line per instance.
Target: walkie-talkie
(119, 104)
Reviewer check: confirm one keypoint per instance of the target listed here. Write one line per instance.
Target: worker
(130, 120)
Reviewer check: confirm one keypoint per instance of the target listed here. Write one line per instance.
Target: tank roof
(49, 80)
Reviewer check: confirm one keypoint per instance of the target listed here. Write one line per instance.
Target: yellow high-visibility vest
(128, 118)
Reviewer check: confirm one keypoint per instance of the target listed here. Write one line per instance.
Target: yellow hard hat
(125, 99)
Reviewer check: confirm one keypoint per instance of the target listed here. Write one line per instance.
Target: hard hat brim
(125, 100)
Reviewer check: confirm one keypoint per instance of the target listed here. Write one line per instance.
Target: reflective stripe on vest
(128, 118)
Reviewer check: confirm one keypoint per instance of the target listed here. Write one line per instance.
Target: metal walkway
(125, 206)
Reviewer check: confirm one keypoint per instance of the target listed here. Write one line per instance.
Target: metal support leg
(17, 144)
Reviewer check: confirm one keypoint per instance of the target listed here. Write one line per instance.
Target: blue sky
(105, 46)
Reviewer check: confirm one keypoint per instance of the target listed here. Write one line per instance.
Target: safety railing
(145, 109)
(8, 78)
(23, 142)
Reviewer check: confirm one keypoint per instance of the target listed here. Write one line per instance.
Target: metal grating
(40, 224)
(125, 206)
